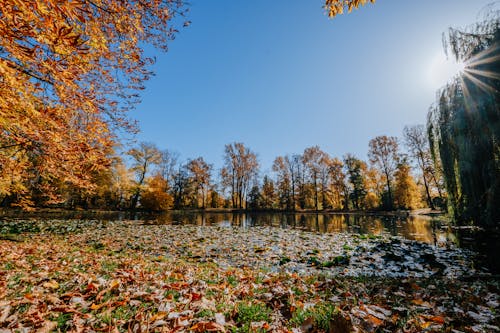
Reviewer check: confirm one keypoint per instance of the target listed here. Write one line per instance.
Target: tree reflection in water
(422, 228)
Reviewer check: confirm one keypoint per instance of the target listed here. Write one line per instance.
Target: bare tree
(241, 166)
(143, 158)
(168, 165)
(418, 146)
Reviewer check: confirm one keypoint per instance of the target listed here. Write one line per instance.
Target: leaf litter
(123, 276)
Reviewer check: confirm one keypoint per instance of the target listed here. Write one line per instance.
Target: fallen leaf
(5, 313)
(158, 316)
(207, 327)
(437, 319)
(52, 284)
(98, 306)
(220, 319)
(47, 327)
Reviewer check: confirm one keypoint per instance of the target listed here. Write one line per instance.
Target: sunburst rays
(481, 72)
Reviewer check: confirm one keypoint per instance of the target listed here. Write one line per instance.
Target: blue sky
(280, 76)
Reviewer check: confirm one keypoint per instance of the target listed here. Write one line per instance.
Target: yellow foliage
(155, 196)
(406, 192)
(336, 7)
(64, 66)
(371, 201)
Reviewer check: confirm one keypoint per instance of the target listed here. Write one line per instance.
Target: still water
(427, 229)
(422, 228)
(432, 230)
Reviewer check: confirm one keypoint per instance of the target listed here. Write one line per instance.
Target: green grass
(321, 316)
(123, 313)
(172, 294)
(15, 280)
(64, 321)
(337, 261)
(232, 280)
(248, 313)
(284, 260)
(109, 266)
(22, 308)
(347, 247)
(205, 313)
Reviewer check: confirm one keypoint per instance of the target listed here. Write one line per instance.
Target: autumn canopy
(336, 7)
(68, 72)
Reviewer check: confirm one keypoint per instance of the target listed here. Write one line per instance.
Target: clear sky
(280, 76)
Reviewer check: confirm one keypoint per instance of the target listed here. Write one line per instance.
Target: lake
(434, 230)
(431, 230)
(426, 229)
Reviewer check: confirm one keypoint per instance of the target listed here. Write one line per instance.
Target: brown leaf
(52, 284)
(207, 327)
(5, 313)
(47, 327)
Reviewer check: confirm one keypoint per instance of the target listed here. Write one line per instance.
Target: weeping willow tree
(464, 124)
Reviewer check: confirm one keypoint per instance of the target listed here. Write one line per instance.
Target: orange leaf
(374, 320)
(437, 319)
(98, 306)
(158, 316)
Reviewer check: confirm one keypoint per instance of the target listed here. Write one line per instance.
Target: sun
(442, 70)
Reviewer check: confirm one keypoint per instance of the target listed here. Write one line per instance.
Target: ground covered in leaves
(93, 276)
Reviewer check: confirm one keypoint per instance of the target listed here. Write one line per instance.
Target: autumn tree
(303, 189)
(355, 169)
(383, 153)
(182, 189)
(316, 162)
(338, 189)
(288, 170)
(406, 193)
(268, 193)
(214, 198)
(122, 184)
(14, 171)
(324, 179)
(144, 157)
(69, 71)
(374, 187)
(240, 168)
(336, 7)
(284, 182)
(417, 142)
(156, 196)
(200, 173)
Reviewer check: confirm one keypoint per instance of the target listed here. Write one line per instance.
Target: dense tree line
(145, 177)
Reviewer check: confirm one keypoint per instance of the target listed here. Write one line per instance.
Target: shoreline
(11, 212)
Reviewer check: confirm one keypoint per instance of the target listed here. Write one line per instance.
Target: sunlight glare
(442, 70)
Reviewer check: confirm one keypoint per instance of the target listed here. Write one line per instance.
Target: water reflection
(421, 228)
